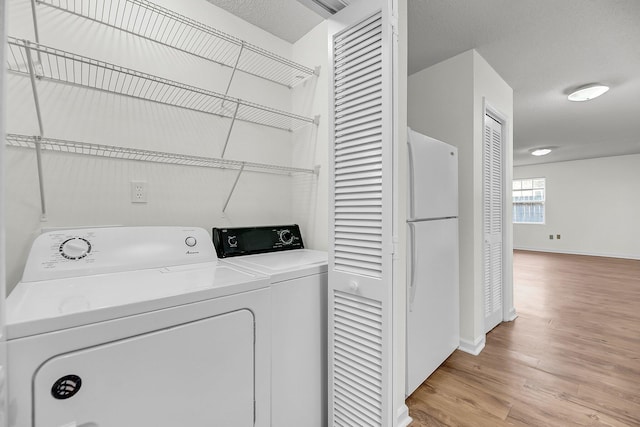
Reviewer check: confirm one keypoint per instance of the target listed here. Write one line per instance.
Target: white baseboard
(403, 419)
(472, 347)
(512, 315)
(570, 252)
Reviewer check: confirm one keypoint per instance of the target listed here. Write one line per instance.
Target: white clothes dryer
(298, 320)
(137, 326)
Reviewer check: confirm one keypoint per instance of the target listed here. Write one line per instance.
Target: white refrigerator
(433, 324)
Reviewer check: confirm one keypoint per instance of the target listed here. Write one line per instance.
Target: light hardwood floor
(572, 357)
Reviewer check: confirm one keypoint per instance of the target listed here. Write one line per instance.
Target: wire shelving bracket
(115, 152)
(99, 150)
(156, 23)
(65, 67)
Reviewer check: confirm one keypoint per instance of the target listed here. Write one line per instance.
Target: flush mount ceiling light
(540, 151)
(585, 93)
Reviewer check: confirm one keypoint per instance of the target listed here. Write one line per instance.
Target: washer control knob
(75, 248)
(286, 237)
(190, 241)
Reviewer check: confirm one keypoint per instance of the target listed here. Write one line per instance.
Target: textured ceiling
(542, 48)
(286, 19)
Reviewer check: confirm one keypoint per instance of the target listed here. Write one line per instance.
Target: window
(528, 201)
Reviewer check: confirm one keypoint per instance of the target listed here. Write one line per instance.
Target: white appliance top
(284, 265)
(433, 178)
(78, 277)
(89, 251)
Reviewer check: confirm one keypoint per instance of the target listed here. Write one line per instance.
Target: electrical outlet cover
(138, 192)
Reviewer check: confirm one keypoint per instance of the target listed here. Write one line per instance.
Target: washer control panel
(254, 240)
(79, 252)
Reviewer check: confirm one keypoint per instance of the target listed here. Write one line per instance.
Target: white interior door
(493, 188)
(360, 223)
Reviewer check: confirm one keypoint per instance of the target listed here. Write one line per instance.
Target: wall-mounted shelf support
(233, 188)
(34, 89)
(235, 67)
(226, 141)
(35, 26)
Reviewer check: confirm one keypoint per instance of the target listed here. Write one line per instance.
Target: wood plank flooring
(571, 358)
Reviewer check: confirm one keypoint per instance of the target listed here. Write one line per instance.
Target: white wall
(87, 191)
(593, 204)
(311, 144)
(446, 103)
(490, 89)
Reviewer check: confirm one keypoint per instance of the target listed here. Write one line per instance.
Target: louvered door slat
(363, 115)
(364, 69)
(372, 232)
(366, 95)
(370, 104)
(362, 202)
(358, 169)
(359, 176)
(345, 361)
(371, 132)
(362, 239)
(363, 156)
(351, 132)
(365, 65)
(359, 381)
(348, 38)
(354, 90)
(368, 373)
(371, 226)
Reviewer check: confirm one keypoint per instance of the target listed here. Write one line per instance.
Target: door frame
(4, 396)
(508, 310)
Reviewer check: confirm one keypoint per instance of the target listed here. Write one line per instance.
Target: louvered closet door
(360, 276)
(493, 187)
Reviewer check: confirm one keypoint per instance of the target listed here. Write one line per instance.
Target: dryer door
(195, 374)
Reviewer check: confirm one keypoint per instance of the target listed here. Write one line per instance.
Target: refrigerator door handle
(412, 193)
(414, 261)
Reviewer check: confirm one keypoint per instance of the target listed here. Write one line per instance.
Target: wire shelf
(65, 67)
(153, 22)
(98, 150)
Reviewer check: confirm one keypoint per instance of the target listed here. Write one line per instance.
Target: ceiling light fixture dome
(585, 93)
(540, 151)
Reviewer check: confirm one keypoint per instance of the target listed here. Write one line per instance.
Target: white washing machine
(137, 326)
(299, 316)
